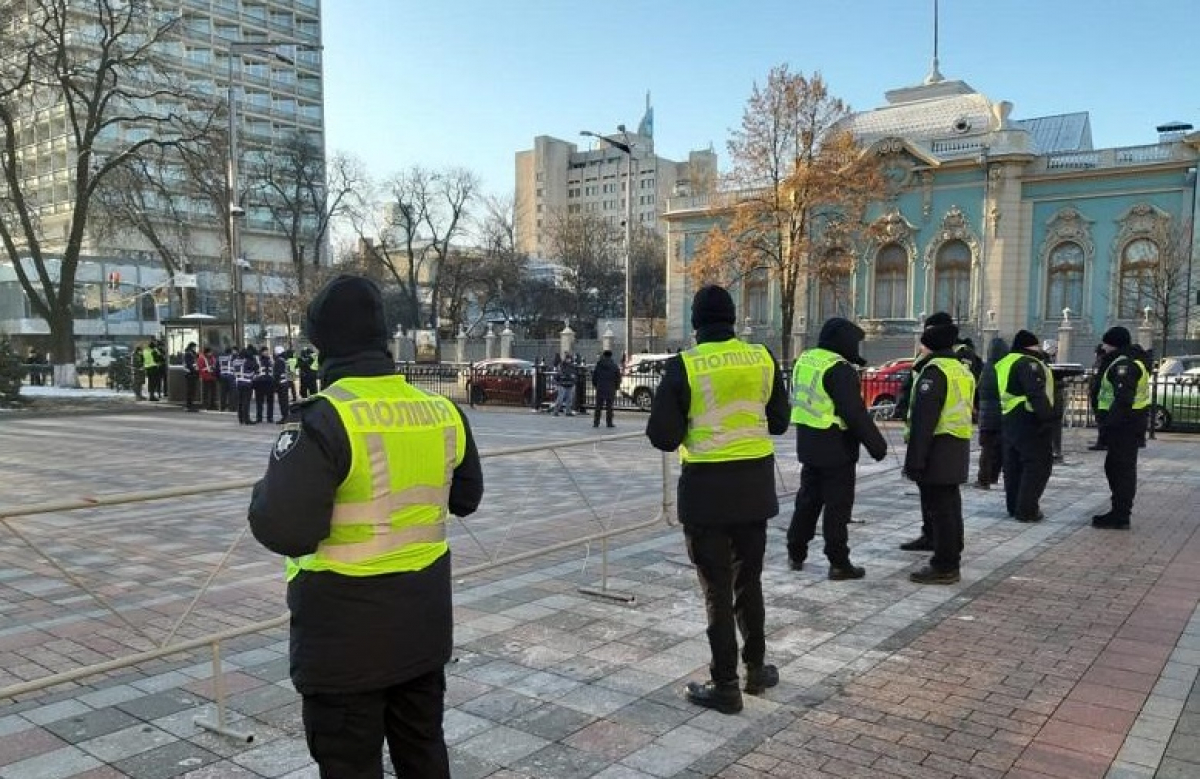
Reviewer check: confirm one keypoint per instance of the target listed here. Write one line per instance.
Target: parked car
(500, 379)
(1176, 401)
(104, 355)
(640, 378)
(1179, 365)
(881, 385)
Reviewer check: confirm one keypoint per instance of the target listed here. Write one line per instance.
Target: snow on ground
(75, 393)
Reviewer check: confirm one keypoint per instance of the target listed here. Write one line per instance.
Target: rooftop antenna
(934, 75)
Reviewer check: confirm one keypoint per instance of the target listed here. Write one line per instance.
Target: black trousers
(942, 504)
(228, 393)
(208, 395)
(603, 400)
(729, 562)
(283, 394)
(308, 385)
(192, 388)
(1120, 467)
(345, 732)
(244, 392)
(264, 393)
(991, 456)
(829, 491)
(1027, 467)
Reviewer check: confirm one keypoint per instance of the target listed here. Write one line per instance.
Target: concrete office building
(557, 178)
(278, 91)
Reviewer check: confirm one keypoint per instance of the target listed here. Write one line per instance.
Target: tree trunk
(62, 348)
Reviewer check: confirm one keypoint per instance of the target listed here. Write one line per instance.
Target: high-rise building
(556, 178)
(264, 56)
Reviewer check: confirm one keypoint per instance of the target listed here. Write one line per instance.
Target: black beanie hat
(939, 337)
(712, 305)
(346, 317)
(1117, 337)
(938, 318)
(1024, 339)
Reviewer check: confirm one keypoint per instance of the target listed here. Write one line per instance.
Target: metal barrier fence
(484, 548)
(513, 382)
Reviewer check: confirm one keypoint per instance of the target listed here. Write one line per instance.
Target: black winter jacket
(832, 446)
(351, 634)
(728, 493)
(988, 391)
(1020, 426)
(606, 376)
(934, 459)
(1121, 416)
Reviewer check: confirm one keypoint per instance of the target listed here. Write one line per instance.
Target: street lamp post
(627, 148)
(235, 210)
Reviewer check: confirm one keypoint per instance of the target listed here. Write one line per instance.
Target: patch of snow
(75, 393)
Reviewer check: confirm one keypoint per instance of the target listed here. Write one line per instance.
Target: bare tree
(1164, 284)
(94, 75)
(589, 248)
(795, 173)
(648, 266)
(304, 195)
(411, 222)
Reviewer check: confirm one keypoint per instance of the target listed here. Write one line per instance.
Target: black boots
(759, 678)
(841, 573)
(918, 544)
(724, 697)
(1109, 521)
(928, 575)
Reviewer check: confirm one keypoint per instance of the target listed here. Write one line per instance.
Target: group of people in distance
(361, 482)
(721, 400)
(235, 380)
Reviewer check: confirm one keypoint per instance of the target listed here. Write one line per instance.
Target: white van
(104, 355)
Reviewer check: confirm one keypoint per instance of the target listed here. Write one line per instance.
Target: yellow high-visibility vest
(1008, 402)
(1141, 397)
(730, 384)
(811, 405)
(955, 418)
(389, 514)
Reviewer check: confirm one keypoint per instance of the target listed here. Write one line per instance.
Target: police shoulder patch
(925, 385)
(1121, 370)
(289, 436)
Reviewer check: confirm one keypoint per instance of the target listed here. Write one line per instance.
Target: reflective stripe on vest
(389, 513)
(1141, 396)
(955, 418)
(811, 405)
(1008, 402)
(730, 385)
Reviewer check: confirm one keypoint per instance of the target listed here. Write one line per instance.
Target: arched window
(952, 280)
(1139, 262)
(891, 282)
(1064, 279)
(834, 284)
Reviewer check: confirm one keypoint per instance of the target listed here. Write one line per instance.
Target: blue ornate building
(1003, 223)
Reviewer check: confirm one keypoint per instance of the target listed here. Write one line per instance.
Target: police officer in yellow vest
(150, 366)
(939, 449)
(358, 489)
(1124, 399)
(718, 403)
(831, 423)
(1027, 421)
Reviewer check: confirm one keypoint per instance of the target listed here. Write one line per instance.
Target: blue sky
(470, 82)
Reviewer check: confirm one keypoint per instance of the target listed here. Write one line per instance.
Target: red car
(881, 385)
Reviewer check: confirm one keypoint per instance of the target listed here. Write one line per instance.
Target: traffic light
(114, 281)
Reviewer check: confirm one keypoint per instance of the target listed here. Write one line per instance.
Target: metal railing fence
(484, 548)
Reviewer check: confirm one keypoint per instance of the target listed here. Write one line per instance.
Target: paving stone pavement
(1064, 652)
